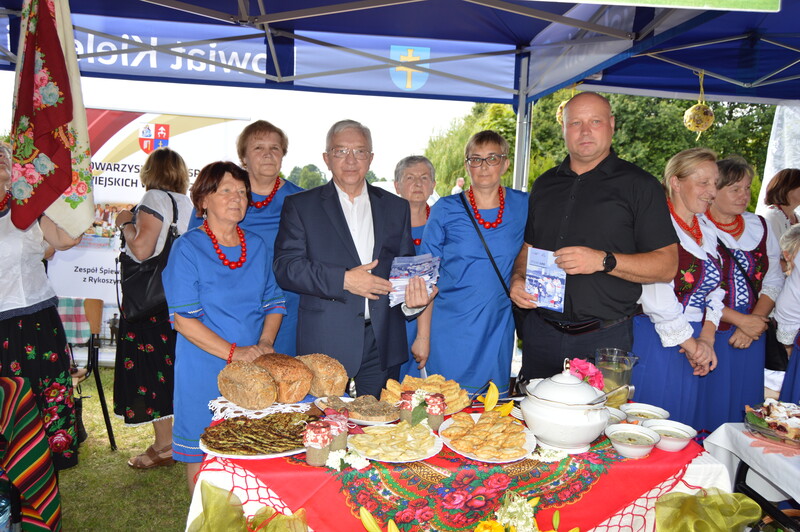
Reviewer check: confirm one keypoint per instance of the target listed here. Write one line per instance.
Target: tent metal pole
(522, 148)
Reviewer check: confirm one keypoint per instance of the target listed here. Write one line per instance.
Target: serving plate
(432, 451)
(530, 444)
(319, 403)
(771, 435)
(249, 456)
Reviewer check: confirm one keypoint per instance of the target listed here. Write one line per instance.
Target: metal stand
(93, 365)
(740, 485)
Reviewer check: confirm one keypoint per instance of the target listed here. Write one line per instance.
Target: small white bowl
(643, 412)
(615, 415)
(668, 431)
(621, 435)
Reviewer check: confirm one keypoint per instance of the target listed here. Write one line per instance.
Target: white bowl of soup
(615, 415)
(632, 441)
(675, 436)
(643, 412)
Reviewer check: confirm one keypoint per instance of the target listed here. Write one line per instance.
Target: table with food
(763, 453)
(427, 456)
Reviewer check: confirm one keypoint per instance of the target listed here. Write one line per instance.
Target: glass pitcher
(616, 366)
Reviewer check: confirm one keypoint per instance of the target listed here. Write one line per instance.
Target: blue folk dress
(739, 377)
(232, 303)
(409, 367)
(674, 312)
(264, 222)
(472, 329)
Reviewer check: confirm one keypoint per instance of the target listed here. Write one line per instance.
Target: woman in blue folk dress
(746, 244)
(472, 329)
(787, 314)
(261, 147)
(224, 299)
(414, 179)
(674, 339)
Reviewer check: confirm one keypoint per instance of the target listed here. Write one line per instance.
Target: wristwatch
(609, 262)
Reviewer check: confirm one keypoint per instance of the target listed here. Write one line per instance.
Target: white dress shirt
(358, 214)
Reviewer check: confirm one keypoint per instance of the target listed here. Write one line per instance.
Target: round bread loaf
(247, 385)
(292, 377)
(330, 377)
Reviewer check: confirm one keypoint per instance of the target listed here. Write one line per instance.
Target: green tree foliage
(648, 132)
(307, 177)
(371, 177)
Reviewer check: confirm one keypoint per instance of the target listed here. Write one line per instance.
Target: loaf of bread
(292, 377)
(247, 385)
(330, 377)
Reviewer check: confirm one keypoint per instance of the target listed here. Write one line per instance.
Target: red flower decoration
(53, 356)
(149, 411)
(404, 516)
(54, 393)
(586, 371)
(5, 344)
(15, 366)
(131, 335)
(129, 413)
(688, 277)
(142, 390)
(60, 441)
(149, 348)
(164, 338)
(28, 348)
(128, 363)
(168, 360)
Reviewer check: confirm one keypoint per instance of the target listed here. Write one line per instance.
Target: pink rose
(424, 514)
(480, 498)
(404, 516)
(418, 503)
(497, 482)
(37, 100)
(455, 500)
(688, 277)
(81, 188)
(60, 441)
(40, 78)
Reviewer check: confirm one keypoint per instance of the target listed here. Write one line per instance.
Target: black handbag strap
(485, 246)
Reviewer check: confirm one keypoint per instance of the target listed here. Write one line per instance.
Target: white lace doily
(224, 409)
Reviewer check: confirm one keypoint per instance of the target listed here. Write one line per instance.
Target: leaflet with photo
(404, 268)
(545, 279)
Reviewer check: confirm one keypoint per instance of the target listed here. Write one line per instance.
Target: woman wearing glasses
(472, 329)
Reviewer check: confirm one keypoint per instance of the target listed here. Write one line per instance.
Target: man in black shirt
(608, 223)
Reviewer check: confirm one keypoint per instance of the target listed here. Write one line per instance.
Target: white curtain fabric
(784, 146)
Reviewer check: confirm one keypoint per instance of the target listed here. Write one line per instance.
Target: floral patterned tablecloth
(449, 492)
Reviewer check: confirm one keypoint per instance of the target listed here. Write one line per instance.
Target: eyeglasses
(358, 153)
(492, 160)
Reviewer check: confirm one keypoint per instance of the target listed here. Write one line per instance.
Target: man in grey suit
(335, 247)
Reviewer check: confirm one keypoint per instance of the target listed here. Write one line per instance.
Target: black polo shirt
(615, 207)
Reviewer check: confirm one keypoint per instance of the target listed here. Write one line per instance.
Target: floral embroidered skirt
(144, 369)
(34, 346)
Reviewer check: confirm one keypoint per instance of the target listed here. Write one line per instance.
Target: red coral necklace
(484, 223)
(230, 264)
(418, 241)
(268, 200)
(735, 228)
(694, 230)
(5, 200)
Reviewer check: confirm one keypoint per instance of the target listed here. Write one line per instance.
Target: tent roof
(473, 50)
(744, 57)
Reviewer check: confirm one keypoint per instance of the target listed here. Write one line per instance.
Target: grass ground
(103, 494)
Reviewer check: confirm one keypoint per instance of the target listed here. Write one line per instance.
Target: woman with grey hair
(787, 314)
(414, 180)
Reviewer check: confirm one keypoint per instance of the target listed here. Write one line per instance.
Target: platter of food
(775, 421)
(396, 444)
(364, 410)
(455, 397)
(488, 437)
(272, 436)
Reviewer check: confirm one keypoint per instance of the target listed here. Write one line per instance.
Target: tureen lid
(565, 388)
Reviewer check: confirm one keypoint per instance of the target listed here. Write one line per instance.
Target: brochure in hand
(404, 268)
(545, 279)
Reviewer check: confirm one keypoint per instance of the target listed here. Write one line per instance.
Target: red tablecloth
(449, 492)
